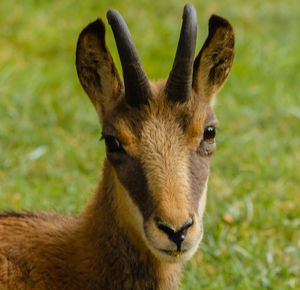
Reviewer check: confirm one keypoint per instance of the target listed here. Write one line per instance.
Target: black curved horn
(137, 86)
(179, 84)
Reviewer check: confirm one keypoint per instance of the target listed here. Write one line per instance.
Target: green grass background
(50, 157)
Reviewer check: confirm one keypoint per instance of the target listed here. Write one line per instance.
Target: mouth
(174, 253)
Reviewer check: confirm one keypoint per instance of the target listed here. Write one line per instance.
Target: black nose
(176, 236)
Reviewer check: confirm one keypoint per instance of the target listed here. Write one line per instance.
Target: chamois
(145, 218)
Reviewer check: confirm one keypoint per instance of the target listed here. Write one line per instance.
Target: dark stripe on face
(132, 176)
(198, 174)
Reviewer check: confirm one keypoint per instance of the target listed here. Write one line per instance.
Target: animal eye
(209, 134)
(113, 144)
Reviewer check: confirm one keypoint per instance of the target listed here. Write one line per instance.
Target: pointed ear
(213, 63)
(96, 70)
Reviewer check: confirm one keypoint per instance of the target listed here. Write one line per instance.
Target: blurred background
(50, 156)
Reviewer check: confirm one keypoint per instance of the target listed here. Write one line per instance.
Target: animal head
(159, 135)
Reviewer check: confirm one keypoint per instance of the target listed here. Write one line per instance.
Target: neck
(121, 257)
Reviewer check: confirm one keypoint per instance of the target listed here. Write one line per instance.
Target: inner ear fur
(96, 69)
(213, 63)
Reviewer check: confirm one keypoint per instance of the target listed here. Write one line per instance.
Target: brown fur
(161, 177)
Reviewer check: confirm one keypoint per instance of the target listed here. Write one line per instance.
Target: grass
(50, 157)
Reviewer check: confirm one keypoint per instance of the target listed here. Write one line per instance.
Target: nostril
(165, 228)
(176, 236)
(188, 223)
